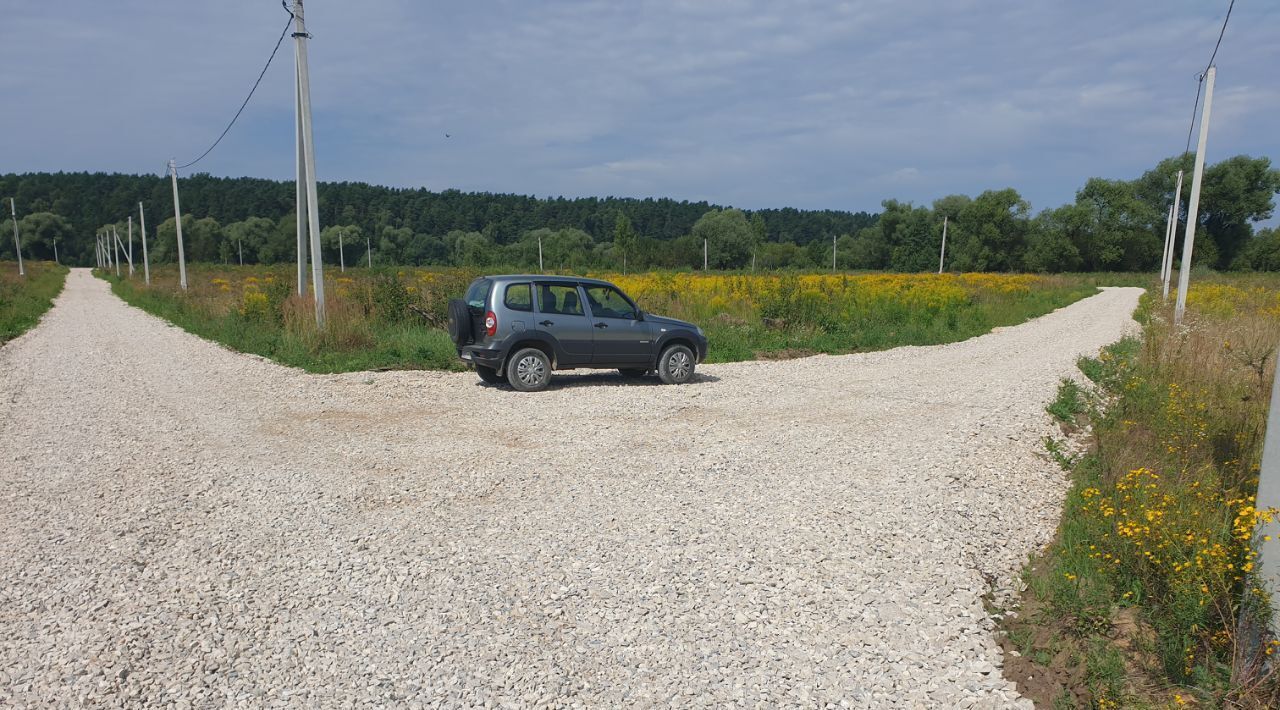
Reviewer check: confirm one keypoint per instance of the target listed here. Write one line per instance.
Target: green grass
(1069, 403)
(23, 300)
(379, 345)
(1150, 580)
(390, 318)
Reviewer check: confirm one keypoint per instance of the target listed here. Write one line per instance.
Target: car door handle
(602, 325)
(546, 322)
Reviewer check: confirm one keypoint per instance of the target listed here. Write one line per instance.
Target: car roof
(548, 278)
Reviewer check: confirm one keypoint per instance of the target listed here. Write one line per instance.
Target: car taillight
(490, 324)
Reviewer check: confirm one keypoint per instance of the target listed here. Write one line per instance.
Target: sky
(749, 103)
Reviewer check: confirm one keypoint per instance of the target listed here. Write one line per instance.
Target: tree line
(1113, 225)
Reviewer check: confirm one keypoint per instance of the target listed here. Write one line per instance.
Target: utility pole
(833, 253)
(300, 221)
(131, 245)
(127, 252)
(177, 219)
(146, 264)
(1269, 497)
(704, 254)
(1193, 207)
(55, 252)
(540, 269)
(240, 250)
(342, 258)
(1168, 229)
(97, 251)
(308, 157)
(368, 246)
(115, 250)
(942, 257)
(1173, 235)
(17, 243)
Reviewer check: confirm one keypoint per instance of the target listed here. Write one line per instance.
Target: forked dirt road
(183, 524)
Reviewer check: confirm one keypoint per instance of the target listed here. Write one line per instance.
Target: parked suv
(520, 328)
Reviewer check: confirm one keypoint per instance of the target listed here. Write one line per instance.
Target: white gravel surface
(180, 524)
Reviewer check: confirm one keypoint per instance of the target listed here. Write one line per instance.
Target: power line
(1200, 83)
(250, 96)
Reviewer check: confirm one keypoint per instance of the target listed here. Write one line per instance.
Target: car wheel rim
(678, 364)
(530, 370)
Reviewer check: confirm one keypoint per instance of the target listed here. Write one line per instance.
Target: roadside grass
(266, 317)
(1069, 403)
(389, 318)
(1150, 583)
(23, 300)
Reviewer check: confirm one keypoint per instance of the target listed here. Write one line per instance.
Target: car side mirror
(639, 314)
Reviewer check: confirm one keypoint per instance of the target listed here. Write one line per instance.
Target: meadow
(1148, 596)
(23, 299)
(395, 318)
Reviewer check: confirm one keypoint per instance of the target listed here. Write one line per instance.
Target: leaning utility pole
(146, 265)
(177, 220)
(942, 257)
(131, 245)
(1173, 235)
(17, 243)
(342, 258)
(115, 250)
(1193, 207)
(308, 156)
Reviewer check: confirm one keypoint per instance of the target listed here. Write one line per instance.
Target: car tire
(529, 370)
(675, 367)
(459, 322)
(632, 373)
(490, 375)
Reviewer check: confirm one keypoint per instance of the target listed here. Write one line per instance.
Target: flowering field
(1159, 527)
(388, 318)
(23, 299)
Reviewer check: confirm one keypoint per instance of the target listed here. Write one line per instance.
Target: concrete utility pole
(123, 250)
(115, 250)
(704, 255)
(1193, 207)
(146, 265)
(1168, 243)
(833, 253)
(942, 257)
(177, 219)
(1269, 497)
(1173, 235)
(342, 258)
(368, 245)
(308, 157)
(300, 220)
(56, 260)
(131, 245)
(17, 243)
(540, 269)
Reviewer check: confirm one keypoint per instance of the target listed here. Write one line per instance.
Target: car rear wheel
(529, 370)
(490, 375)
(675, 367)
(632, 373)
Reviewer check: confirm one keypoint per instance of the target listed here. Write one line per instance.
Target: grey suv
(520, 328)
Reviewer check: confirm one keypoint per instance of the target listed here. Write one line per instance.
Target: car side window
(607, 302)
(559, 298)
(518, 297)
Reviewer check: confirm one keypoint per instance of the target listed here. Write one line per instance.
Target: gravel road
(180, 524)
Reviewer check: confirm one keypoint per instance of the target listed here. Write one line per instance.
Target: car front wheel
(675, 367)
(529, 370)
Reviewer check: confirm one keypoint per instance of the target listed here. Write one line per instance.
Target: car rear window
(518, 297)
(478, 293)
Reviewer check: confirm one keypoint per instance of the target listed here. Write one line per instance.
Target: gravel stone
(188, 526)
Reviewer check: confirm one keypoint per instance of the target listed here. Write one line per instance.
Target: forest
(1113, 225)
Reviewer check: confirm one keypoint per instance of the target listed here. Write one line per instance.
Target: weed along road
(180, 523)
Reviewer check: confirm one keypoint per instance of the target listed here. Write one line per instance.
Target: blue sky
(748, 103)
